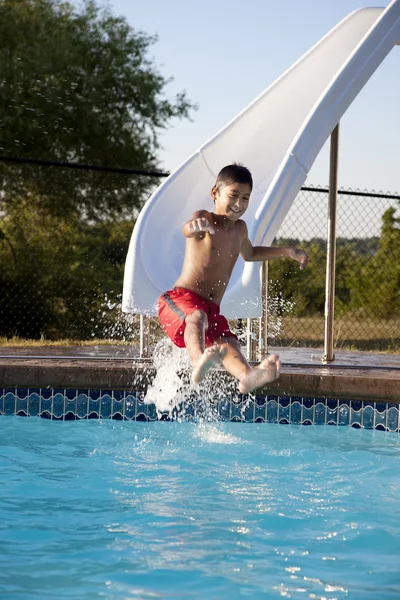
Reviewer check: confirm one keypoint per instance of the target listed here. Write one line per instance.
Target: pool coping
(336, 381)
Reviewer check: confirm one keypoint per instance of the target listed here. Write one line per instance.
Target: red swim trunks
(173, 308)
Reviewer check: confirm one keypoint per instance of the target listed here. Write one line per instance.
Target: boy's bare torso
(209, 259)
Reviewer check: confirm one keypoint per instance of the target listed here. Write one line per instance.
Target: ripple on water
(134, 510)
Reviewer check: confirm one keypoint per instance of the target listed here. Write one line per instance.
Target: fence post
(144, 338)
(331, 248)
(250, 345)
(263, 333)
(249, 334)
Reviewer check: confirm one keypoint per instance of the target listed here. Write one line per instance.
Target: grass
(350, 333)
(18, 342)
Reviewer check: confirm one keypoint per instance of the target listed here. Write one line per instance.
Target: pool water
(109, 509)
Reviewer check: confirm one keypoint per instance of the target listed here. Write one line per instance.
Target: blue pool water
(109, 509)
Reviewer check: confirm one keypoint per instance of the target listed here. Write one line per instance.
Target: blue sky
(224, 53)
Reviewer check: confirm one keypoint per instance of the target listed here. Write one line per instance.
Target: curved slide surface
(278, 136)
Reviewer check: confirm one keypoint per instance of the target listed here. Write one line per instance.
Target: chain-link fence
(61, 263)
(64, 236)
(367, 290)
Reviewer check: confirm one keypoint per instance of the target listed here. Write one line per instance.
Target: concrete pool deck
(352, 375)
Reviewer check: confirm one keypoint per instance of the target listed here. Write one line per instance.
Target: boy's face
(231, 201)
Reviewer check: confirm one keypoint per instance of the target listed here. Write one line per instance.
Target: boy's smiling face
(231, 201)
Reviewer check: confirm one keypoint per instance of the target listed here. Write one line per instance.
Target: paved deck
(352, 375)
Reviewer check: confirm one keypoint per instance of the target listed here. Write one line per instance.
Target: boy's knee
(198, 317)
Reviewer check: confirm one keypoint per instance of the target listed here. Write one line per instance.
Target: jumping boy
(189, 313)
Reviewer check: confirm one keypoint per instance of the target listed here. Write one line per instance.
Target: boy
(189, 313)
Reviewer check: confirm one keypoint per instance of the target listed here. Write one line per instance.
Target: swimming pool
(116, 509)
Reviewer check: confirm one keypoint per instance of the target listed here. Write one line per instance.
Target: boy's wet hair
(235, 173)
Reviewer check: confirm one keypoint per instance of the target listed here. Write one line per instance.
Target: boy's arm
(198, 225)
(252, 253)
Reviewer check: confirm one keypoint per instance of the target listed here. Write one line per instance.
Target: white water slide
(278, 136)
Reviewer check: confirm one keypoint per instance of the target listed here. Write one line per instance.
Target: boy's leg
(236, 364)
(194, 336)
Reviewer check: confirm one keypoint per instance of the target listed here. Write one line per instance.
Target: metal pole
(249, 337)
(141, 335)
(263, 333)
(144, 337)
(331, 248)
(251, 342)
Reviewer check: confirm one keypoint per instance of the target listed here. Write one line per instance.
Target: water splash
(113, 324)
(167, 390)
(214, 434)
(173, 392)
(278, 307)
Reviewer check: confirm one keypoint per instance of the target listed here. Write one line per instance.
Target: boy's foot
(268, 370)
(210, 357)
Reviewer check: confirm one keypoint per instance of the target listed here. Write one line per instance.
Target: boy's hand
(300, 256)
(200, 225)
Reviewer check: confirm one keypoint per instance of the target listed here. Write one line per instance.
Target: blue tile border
(68, 404)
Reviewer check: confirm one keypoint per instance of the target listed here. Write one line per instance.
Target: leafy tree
(76, 84)
(367, 276)
(305, 288)
(60, 285)
(376, 289)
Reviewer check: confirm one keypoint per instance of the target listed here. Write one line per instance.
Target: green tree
(59, 286)
(376, 288)
(76, 84)
(304, 288)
